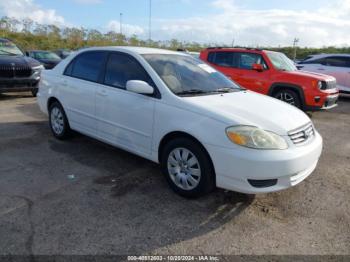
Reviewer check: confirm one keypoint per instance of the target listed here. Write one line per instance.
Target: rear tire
(187, 167)
(58, 121)
(290, 97)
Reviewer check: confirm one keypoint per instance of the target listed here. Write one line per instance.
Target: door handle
(321, 69)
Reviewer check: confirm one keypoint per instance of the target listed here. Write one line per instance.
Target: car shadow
(147, 215)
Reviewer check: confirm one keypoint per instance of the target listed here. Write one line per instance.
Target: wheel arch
(180, 134)
(279, 86)
(50, 101)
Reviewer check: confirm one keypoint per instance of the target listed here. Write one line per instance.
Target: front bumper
(236, 168)
(330, 101)
(18, 84)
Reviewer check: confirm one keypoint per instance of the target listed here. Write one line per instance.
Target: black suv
(17, 72)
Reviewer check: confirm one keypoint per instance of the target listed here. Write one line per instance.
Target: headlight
(320, 85)
(253, 137)
(37, 70)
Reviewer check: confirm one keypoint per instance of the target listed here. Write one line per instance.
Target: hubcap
(184, 168)
(286, 97)
(57, 122)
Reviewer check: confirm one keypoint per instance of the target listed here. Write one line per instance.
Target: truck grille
(302, 134)
(15, 71)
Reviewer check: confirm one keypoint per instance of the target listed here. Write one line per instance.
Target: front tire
(58, 121)
(187, 167)
(290, 97)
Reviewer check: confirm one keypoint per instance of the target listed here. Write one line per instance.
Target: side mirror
(139, 87)
(258, 67)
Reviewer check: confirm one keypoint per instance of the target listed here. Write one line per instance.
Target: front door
(124, 118)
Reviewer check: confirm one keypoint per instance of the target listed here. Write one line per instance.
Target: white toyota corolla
(173, 109)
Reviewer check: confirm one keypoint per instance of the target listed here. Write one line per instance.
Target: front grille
(15, 71)
(329, 85)
(302, 134)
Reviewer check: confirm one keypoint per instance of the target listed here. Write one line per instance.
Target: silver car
(337, 65)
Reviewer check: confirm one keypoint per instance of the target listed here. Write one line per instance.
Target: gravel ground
(84, 197)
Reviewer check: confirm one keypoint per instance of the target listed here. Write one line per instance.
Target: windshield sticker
(207, 68)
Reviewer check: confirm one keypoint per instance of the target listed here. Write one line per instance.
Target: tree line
(30, 35)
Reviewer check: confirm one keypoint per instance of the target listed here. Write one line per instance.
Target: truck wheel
(58, 121)
(187, 167)
(289, 96)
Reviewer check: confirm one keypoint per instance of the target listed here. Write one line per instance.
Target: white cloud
(126, 28)
(327, 26)
(28, 9)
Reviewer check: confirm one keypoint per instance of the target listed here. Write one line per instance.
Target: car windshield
(185, 75)
(46, 55)
(281, 61)
(9, 48)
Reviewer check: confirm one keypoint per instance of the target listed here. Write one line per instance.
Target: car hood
(300, 73)
(18, 61)
(249, 108)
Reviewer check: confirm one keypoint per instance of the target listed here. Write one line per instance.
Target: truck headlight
(254, 137)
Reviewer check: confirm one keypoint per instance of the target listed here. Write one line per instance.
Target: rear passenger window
(321, 61)
(87, 66)
(122, 68)
(225, 59)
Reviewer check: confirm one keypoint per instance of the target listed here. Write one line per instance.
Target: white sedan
(168, 107)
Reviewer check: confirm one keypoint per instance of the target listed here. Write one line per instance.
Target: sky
(316, 23)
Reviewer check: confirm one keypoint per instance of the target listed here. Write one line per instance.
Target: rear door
(224, 61)
(78, 87)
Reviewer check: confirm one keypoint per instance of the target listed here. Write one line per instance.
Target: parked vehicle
(337, 65)
(273, 74)
(63, 53)
(48, 59)
(193, 54)
(17, 72)
(171, 108)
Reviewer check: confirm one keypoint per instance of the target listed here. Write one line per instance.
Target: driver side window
(246, 60)
(121, 68)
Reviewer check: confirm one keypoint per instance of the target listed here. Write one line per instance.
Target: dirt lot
(85, 197)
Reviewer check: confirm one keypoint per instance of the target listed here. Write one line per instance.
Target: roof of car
(327, 55)
(135, 49)
(234, 49)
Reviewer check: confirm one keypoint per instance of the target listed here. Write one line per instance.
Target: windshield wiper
(224, 90)
(192, 92)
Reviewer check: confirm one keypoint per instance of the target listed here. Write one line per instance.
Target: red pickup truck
(274, 74)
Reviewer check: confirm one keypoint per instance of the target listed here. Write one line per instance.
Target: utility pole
(150, 22)
(295, 45)
(121, 23)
